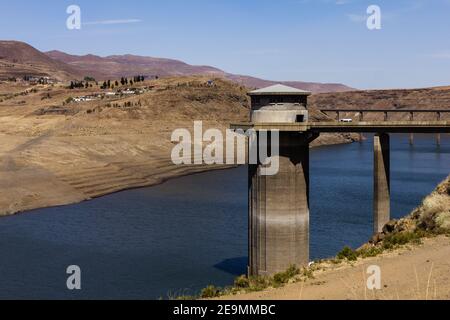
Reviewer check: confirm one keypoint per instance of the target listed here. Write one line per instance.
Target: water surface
(190, 232)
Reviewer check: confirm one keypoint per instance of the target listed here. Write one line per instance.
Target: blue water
(190, 232)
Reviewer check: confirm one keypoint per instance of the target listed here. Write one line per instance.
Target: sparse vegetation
(68, 100)
(432, 218)
(242, 282)
(284, 277)
(348, 254)
(254, 283)
(210, 292)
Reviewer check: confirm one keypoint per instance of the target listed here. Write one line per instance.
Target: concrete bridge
(386, 112)
(434, 115)
(279, 205)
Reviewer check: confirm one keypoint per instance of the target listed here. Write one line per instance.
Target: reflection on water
(190, 232)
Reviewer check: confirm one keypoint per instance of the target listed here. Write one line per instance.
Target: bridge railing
(386, 112)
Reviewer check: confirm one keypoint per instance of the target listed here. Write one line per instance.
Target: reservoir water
(178, 237)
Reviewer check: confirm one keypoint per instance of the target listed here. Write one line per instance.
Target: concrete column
(382, 193)
(361, 119)
(411, 135)
(438, 135)
(279, 210)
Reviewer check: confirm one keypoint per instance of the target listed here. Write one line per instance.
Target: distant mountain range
(18, 59)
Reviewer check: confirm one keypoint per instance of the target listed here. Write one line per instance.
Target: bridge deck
(359, 127)
(387, 110)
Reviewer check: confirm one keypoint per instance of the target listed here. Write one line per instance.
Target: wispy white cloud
(260, 52)
(357, 17)
(441, 55)
(337, 2)
(109, 22)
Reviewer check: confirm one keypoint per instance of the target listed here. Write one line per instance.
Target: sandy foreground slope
(417, 273)
(55, 153)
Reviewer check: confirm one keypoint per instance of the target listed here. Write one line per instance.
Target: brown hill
(18, 59)
(314, 87)
(129, 65)
(113, 67)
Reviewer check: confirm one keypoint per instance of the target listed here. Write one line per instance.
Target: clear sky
(307, 40)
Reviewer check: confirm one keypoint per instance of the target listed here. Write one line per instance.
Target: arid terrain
(56, 151)
(412, 273)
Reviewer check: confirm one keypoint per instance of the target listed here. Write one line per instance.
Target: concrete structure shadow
(234, 266)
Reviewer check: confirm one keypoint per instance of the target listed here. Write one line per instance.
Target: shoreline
(171, 175)
(72, 185)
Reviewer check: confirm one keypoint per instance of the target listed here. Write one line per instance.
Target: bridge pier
(411, 135)
(438, 135)
(361, 119)
(382, 194)
(279, 209)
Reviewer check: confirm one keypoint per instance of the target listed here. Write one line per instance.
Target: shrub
(348, 253)
(284, 277)
(308, 273)
(443, 220)
(370, 252)
(242, 282)
(210, 292)
(398, 239)
(258, 283)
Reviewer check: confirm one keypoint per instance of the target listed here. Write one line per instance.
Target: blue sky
(307, 40)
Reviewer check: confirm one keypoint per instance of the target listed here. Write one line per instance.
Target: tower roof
(279, 89)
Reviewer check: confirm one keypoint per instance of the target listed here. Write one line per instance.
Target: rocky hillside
(432, 217)
(18, 59)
